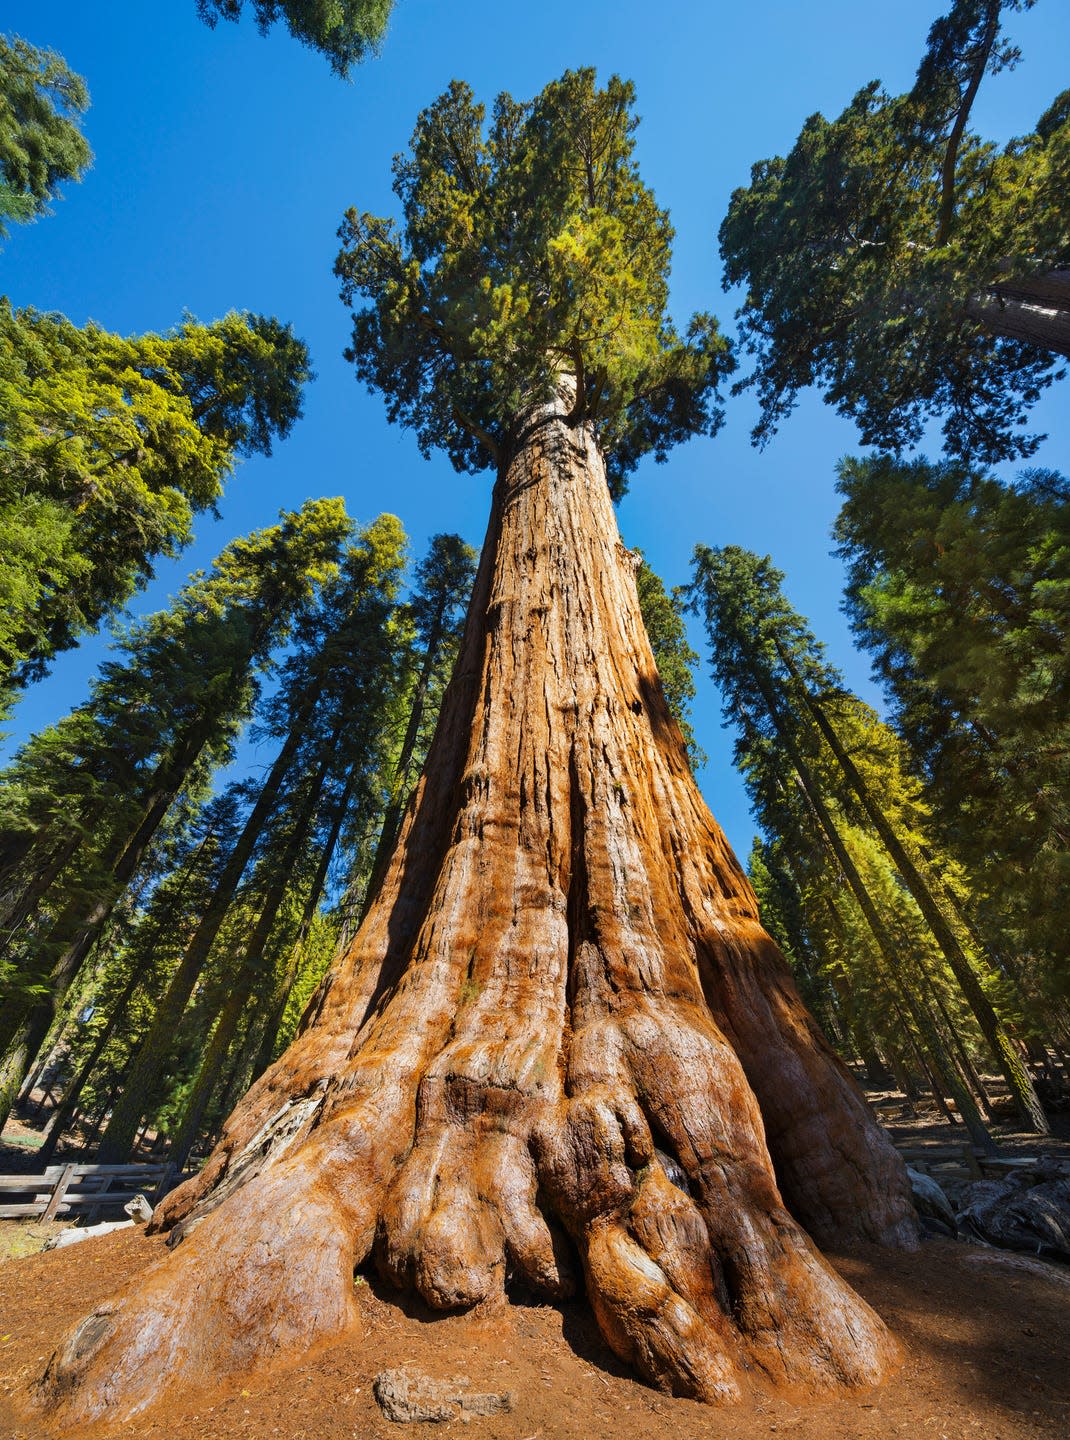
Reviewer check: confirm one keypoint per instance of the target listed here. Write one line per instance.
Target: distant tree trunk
(875, 1068)
(97, 1123)
(403, 778)
(891, 970)
(25, 901)
(903, 1078)
(555, 1052)
(45, 1057)
(266, 1036)
(250, 967)
(63, 1114)
(152, 1053)
(25, 1021)
(1004, 1052)
(34, 1040)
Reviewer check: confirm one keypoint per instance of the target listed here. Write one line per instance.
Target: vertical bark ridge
(555, 1049)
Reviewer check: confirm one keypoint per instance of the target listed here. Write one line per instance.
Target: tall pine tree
(764, 656)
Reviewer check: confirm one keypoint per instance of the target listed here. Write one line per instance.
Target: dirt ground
(986, 1336)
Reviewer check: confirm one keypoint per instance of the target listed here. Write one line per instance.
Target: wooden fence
(82, 1191)
(963, 1161)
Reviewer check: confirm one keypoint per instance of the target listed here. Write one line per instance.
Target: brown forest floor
(987, 1338)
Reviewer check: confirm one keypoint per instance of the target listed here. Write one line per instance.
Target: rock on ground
(404, 1397)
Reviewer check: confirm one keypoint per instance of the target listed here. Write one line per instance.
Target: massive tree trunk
(560, 1053)
(1033, 308)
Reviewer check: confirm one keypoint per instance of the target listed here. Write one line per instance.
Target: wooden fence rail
(76, 1190)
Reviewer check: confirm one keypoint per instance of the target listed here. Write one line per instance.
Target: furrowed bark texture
(1033, 308)
(560, 1053)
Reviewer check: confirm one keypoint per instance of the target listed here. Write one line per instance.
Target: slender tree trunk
(402, 785)
(75, 931)
(1003, 1050)
(250, 967)
(958, 127)
(97, 1123)
(562, 979)
(875, 1068)
(63, 1114)
(28, 899)
(36, 1033)
(153, 1051)
(968, 1069)
(889, 973)
(45, 1058)
(903, 1078)
(894, 977)
(275, 1008)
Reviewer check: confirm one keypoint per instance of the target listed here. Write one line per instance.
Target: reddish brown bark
(547, 1057)
(1034, 308)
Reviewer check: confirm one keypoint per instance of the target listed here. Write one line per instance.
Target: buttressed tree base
(560, 1056)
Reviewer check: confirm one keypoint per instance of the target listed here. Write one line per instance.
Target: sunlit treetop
(908, 266)
(109, 445)
(345, 31)
(529, 247)
(41, 102)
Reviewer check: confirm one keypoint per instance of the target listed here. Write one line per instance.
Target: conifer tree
(143, 957)
(960, 587)
(111, 446)
(664, 622)
(441, 591)
(562, 978)
(345, 658)
(907, 266)
(82, 804)
(858, 911)
(764, 655)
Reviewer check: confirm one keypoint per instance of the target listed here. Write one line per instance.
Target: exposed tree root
(546, 1060)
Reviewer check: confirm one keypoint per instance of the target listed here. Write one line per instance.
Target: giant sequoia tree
(560, 1053)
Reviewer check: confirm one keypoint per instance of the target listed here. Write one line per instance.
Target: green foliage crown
(530, 248)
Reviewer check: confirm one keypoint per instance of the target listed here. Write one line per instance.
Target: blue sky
(224, 162)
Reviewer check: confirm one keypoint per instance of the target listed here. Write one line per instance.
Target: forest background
(223, 165)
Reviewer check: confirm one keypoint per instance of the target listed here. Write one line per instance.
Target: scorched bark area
(560, 1054)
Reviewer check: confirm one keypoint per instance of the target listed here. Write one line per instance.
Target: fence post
(58, 1193)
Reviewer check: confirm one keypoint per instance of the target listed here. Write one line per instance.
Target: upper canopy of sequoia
(529, 247)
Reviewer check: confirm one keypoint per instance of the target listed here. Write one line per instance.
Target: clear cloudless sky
(224, 162)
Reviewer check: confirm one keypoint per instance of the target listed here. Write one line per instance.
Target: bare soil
(986, 1336)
